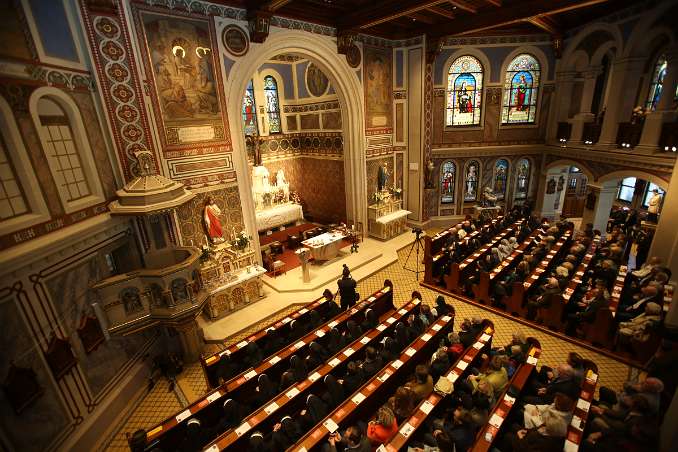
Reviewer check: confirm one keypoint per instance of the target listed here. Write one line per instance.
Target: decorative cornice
(504, 39)
(201, 7)
(320, 106)
(654, 163)
(484, 149)
(51, 76)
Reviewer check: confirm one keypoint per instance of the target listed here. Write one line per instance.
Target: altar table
(278, 215)
(324, 246)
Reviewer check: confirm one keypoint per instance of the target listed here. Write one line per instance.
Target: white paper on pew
(214, 396)
(241, 344)
(314, 376)
(426, 337)
(292, 393)
(496, 420)
(183, 415)
(576, 422)
(335, 362)
(453, 376)
(436, 327)
(364, 340)
(274, 360)
(244, 427)
(381, 448)
(285, 320)
(271, 408)
(488, 437)
(371, 299)
(381, 327)
(509, 400)
(531, 360)
(320, 333)
(583, 405)
(225, 352)
(462, 365)
(447, 318)
(478, 345)
(251, 374)
(406, 430)
(485, 337)
(402, 311)
(570, 446)
(383, 377)
(397, 363)
(390, 320)
(426, 407)
(348, 352)
(358, 398)
(333, 323)
(303, 311)
(212, 448)
(410, 351)
(299, 344)
(330, 425)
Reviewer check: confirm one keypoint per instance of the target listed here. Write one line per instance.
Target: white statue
(260, 185)
(282, 184)
(489, 198)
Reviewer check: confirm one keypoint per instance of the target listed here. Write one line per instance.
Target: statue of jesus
(212, 221)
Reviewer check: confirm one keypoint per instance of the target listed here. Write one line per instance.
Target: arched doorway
(322, 52)
(565, 190)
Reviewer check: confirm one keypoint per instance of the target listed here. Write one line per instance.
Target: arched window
(500, 176)
(523, 179)
(471, 178)
(64, 141)
(520, 90)
(249, 111)
(657, 84)
(12, 199)
(272, 104)
(464, 92)
(448, 172)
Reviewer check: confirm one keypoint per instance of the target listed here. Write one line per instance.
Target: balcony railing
(628, 134)
(564, 131)
(591, 132)
(668, 140)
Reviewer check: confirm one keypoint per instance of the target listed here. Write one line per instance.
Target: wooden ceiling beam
(496, 3)
(546, 23)
(441, 12)
(507, 16)
(385, 11)
(267, 5)
(462, 5)
(421, 18)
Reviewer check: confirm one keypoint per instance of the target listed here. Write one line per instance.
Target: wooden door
(575, 196)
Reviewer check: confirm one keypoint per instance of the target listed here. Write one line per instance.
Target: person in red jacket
(382, 427)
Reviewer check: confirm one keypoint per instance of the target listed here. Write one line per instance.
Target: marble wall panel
(323, 191)
(310, 121)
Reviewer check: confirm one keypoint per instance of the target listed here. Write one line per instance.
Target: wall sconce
(670, 148)
(588, 142)
(626, 145)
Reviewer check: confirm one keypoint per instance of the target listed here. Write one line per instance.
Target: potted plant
(241, 241)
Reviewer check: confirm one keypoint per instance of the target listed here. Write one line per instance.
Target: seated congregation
(375, 375)
(577, 283)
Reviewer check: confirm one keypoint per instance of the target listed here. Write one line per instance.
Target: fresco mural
(377, 87)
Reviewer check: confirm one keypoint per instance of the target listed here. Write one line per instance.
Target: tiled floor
(160, 404)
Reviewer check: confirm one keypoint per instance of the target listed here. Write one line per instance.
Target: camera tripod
(416, 246)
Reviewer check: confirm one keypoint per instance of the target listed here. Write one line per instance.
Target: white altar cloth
(324, 246)
(393, 216)
(278, 215)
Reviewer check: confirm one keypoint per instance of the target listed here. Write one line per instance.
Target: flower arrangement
(396, 192)
(294, 197)
(241, 241)
(266, 197)
(279, 197)
(638, 114)
(379, 196)
(206, 253)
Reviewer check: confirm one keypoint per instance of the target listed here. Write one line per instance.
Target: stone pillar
(548, 208)
(585, 114)
(588, 214)
(191, 345)
(652, 127)
(563, 96)
(623, 87)
(601, 213)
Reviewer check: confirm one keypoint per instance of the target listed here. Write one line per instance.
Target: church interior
(301, 225)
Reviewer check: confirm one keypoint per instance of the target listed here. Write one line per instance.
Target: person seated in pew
(382, 427)
(286, 380)
(316, 355)
(226, 369)
(496, 375)
(440, 362)
(298, 368)
(550, 437)
(534, 416)
(588, 307)
(335, 391)
(549, 292)
(550, 382)
(618, 405)
(352, 440)
(623, 428)
(469, 330)
(352, 332)
(371, 320)
(372, 363)
(647, 294)
(285, 433)
(442, 308)
(505, 249)
(426, 315)
(491, 260)
(562, 275)
(638, 327)
(415, 326)
(335, 341)
(390, 351)
(646, 268)
(331, 308)
(252, 355)
(314, 320)
(402, 403)
(607, 271)
(296, 331)
(578, 364)
(258, 443)
(354, 377)
(467, 226)
(422, 383)
(314, 412)
(437, 441)
(461, 429)
(195, 436)
(401, 336)
(264, 391)
(273, 342)
(454, 346)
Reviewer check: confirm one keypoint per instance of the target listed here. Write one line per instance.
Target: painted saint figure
(471, 183)
(521, 94)
(464, 99)
(212, 221)
(382, 177)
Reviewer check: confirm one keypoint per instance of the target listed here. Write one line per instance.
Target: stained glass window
(471, 177)
(464, 92)
(249, 111)
(523, 179)
(272, 104)
(520, 90)
(500, 177)
(447, 177)
(657, 84)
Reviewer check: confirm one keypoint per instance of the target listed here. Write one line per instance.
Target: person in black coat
(335, 391)
(372, 363)
(285, 433)
(314, 412)
(347, 286)
(230, 418)
(442, 308)
(316, 355)
(297, 368)
(264, 391)
(354, 377)
(335, 341)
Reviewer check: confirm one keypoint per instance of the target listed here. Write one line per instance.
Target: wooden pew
(290, 401)
(515, 304)
(365, 401)
(617, 289)
(460, 368)
(553, 316)
(210, 364)
(208, 408)
(482, 289)
(459, 271)
(602, 330)
(433, 247)
(501, 410)
(575, 431)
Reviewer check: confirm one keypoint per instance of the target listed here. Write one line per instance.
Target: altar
(239, 289)
(324, 246)
(387, 218)
(278, 215)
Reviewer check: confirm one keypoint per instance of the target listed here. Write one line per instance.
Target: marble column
(623, 87)
(606, 196)
(565, 83)
(585, 114)
(191, 344)
(652, 127)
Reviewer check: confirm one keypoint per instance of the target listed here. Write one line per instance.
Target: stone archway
(322, 51)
